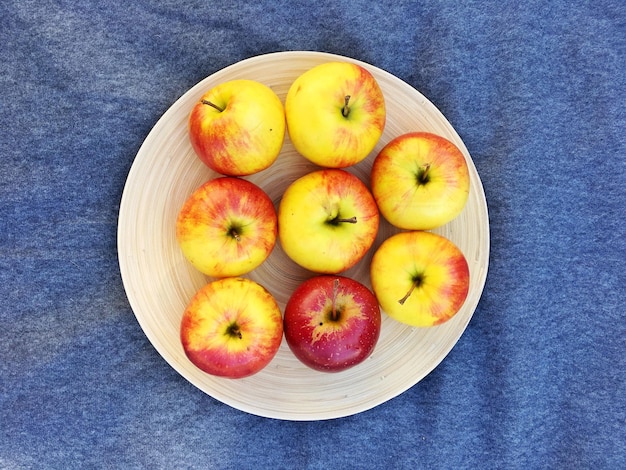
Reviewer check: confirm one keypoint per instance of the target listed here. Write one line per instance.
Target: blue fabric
(535, 89)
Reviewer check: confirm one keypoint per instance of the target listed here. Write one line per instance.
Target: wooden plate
(159, 282)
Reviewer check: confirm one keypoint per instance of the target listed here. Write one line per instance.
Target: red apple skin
(205, 225)
(206, 329)
(245, 135)
(420, 278)
(321, 342)
(420, 181)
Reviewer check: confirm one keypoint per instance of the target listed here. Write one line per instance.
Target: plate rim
(162, 120)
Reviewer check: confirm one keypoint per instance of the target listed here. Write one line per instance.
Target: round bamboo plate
(159, 282)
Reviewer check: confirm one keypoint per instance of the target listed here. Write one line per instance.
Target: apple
(332, 323)
(335, 114)
(227, 227)
(231, 328)
(419, 278)
(238, 127)
(420, 181)
(327, 220)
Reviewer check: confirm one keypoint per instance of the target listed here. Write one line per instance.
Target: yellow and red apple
(231, 328)
(327, 220)
(335, 114)
(420, 278)
(420, 181)
(238, 127)
(227, 227)
(332, 323)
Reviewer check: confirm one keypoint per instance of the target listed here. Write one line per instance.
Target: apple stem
(346, 109)
(408, 294)
(351, 220)
(233, 233)
(422, 175)
(334, 315)
(417, 281)
(213, 105)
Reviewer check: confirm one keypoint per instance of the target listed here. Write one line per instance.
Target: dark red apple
(332, 323)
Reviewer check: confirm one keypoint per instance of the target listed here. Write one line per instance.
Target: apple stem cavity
(339, 220)
(422, 174)
(234, 331)
(346, 109)
(417, 282)
(213, 105)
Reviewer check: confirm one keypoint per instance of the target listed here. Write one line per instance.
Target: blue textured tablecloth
(535, 89)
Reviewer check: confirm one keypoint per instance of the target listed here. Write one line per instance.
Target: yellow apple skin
(420, 181)
(309, 229)
(242, 137)
(317, 127)
(227, 227)
(231, 328)
(419, 278)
